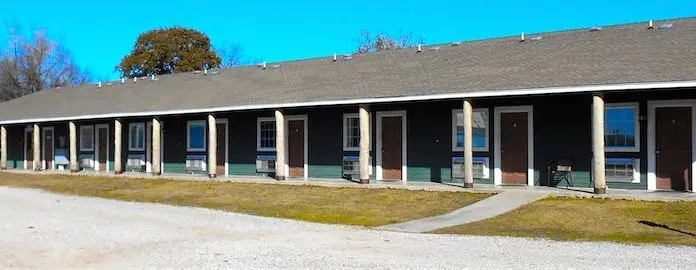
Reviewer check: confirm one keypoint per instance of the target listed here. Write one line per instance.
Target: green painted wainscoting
(325, 171)
(174, 167)
(244, 170)
(15, 164)
(582, 179)
(445, 176)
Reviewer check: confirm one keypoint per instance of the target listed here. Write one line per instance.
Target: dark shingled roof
(614, 55)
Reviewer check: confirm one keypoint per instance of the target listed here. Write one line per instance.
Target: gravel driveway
(43, 230)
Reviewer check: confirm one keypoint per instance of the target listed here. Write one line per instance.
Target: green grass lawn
(622, 221)
(352, 206)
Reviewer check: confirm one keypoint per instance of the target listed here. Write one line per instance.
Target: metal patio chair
(561, 170)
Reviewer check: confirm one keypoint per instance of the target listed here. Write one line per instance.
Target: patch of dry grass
(352, 206)
(622, 221)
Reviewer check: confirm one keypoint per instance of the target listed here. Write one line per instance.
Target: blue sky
(100, 33)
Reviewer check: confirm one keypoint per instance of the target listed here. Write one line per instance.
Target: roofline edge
(471, 94)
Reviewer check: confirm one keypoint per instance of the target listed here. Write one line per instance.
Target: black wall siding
(242, 141)
(15, 147)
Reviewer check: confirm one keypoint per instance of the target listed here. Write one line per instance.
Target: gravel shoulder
(44, 230)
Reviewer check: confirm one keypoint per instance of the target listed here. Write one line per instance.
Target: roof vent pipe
(522, 37)
(123, 80)
(135, 79)
(152, 77)
(650, 24)
(335, 58)
(420, 48)
(263, 65)
(99, 84)
(205, 71)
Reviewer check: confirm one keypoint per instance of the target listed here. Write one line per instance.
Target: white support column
(36, 142)
(364, 144)
(118, 142)
(598, 166)
(3, 148)
(280, 145)
(212, 146)
(73, 146)
(156, 147)
(468, 167)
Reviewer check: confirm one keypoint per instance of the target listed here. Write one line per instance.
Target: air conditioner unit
(86, 161)
(480, 167)
(195, 163)
(622, 170)
(135, 163)
(351, 167)
(265, 163)
(457, 167)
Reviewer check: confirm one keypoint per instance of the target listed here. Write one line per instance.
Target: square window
(136, 137)
(621, 128)
(479, 130)
(195, 136)
(266, 134)
(86, 138)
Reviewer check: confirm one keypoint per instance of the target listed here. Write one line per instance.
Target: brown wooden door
(29, 142)
(392, 148)
(673, 148)
(296, 148)
(48, 148)
(221, 157)
(513, 147)
(102, 135)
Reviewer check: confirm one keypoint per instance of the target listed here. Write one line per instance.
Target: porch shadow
(576, 189)
(653, 224)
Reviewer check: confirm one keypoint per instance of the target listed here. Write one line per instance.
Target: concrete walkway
(493, 206)
(428, 186)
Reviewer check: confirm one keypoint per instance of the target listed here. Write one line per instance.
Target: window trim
(258, 134)
(189, 124)
(347, 116)
(130, 141)
(486, 148)
(636, 171)
(91, 148)
(635, 148)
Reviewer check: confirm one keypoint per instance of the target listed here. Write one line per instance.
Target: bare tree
(232, 55)
(30, 64)
(382, 42)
